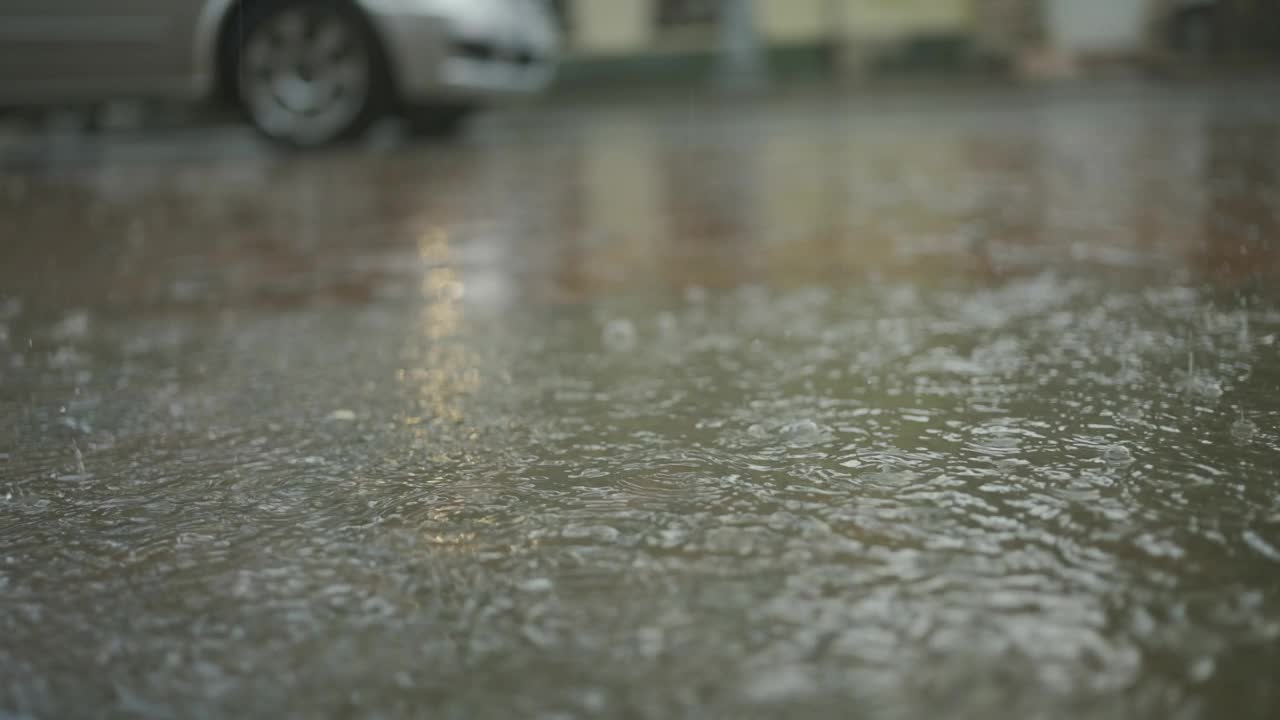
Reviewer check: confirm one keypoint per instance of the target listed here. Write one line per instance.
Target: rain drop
(1201, 385)
(1244, 430)
(803, 432)
(668, 326)
(1117, 455)
(1132, 413)
(695, 294)
(1003, 442)
(536, 585)
(1205, 388)
(1202, 669)
(591, 533)
(74, 326)
(802, 427)
(619, 335)
(1006, 465)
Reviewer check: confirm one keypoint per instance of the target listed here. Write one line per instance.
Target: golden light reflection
(443, 369)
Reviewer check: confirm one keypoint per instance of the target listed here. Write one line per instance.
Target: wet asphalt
(952, 401)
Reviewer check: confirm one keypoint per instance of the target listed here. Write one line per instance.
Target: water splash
(1243, 429)
(1199, 384)
(1117, 455)
(619, 335)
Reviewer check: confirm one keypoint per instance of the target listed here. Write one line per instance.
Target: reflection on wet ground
(962, 406)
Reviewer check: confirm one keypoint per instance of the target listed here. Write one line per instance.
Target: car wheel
(438, 120)
(310, 73)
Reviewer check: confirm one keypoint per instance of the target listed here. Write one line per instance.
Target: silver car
(305, 72)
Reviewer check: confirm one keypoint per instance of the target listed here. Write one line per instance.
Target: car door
(66, 51)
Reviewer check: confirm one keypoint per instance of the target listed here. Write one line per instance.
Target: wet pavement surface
(903, 407)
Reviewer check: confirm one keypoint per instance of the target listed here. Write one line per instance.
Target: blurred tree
(678, 13)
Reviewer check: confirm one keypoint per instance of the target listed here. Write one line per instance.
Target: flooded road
(895, 407)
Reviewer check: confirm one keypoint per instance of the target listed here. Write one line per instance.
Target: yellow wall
(794, 20)
(809, 20)
(602, 27)
(894, 18)
(611, 26)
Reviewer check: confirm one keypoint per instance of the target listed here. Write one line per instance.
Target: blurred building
(660, 40)
(1231, 30)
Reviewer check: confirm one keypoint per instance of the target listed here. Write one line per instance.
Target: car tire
(310, 74)
(437, 121)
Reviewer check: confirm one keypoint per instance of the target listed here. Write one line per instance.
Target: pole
(742, 65)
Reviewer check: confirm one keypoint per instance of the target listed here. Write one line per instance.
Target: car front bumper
(433, 59)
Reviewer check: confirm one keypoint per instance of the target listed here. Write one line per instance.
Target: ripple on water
(995, 440)
(1117, 455)
(799, 432)
(687, 486)
(754, 461)
(1244, 430)
(591, 534)
(803, 432)
(1010, 464)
